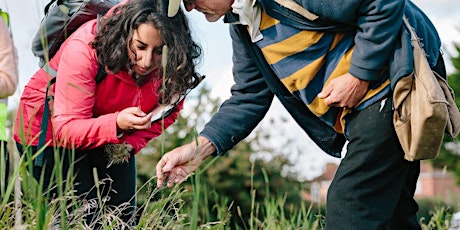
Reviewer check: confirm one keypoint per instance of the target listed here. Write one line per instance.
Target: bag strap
(294, 6)
(44, 124)
(419, 52)
(101, 74)
(413, 36)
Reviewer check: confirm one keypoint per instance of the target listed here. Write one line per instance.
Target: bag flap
(402, 89)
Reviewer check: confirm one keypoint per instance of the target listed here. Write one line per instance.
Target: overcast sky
(216, 63)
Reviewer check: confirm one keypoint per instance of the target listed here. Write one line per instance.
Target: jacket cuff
(364, 74)
(219, 149)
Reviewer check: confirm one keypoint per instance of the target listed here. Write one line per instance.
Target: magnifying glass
(162, 111)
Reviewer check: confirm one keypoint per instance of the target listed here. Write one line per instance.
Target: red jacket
(85, 112)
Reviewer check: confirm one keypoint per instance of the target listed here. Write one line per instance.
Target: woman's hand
(133, 118)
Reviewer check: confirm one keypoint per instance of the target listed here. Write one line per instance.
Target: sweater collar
(249, 13)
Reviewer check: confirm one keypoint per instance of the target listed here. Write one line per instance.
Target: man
(332, 64)
(8, 83)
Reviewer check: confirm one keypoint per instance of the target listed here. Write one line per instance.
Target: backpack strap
(44, 124)
(101, 74)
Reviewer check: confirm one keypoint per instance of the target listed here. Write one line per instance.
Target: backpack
(62, 18)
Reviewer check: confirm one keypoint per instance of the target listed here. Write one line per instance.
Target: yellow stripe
(340, 123)
(304, 76)
(337, 38)
(342, 67)
(373, 92)
(290, 46)
(301, 78)
(267, 21)
(318, 107)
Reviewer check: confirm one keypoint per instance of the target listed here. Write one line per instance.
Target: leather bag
(424, 108)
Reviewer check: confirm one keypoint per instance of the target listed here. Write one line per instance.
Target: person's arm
(74, 100)
(237, 117)
(178, 164)
(377, 22)
(250, 100)
(8, 63)
(377, 28)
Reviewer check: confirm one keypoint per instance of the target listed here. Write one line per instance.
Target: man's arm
(377, 22)
(236, 118)
(251, 98)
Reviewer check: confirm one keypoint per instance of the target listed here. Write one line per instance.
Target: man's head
(212, 9)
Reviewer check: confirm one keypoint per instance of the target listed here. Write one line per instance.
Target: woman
(99, 119)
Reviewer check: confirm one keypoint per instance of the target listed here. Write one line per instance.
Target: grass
(30, 208)
(24, 206)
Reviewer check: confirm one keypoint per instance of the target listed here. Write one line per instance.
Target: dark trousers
(374, 186)
(117, 183)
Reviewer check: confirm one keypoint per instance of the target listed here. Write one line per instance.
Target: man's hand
(178, 164)
(344, 91)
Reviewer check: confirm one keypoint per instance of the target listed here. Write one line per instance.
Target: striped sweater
(306, 61)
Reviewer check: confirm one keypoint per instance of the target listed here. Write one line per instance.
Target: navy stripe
(278, 32)
(383, 78)
(289, 65)
(378, 96)
(335, 55)
(314, 87)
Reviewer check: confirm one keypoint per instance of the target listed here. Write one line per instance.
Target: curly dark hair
(115, 33)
